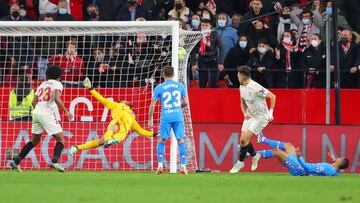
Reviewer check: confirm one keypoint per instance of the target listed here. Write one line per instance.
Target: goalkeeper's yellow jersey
(122, 113)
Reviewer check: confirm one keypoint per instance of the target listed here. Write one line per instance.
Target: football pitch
(113, 187)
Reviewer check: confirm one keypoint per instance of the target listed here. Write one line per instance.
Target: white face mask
(206, 16)
(287, 40)
(222, 23)
(261, 50)
(242, 44)
(306, 21)
(314, 43)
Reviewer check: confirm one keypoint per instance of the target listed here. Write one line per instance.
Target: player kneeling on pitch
(123, 119)
(291, 158)
(256, 115)
(47, 96)
(173, 98)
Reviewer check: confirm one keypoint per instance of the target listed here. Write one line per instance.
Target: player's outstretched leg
(266, 154)
(25, 151)
(182, 151)
(160, 155)
(272, 143)
(57, 152)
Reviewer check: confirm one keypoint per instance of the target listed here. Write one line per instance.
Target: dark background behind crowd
(282, 41)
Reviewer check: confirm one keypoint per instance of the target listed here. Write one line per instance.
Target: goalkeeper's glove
(155, 134)
(87, 83)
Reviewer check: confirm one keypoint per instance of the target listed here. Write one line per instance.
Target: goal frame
(84, 24)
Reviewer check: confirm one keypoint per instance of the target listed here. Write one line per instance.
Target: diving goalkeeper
(123, 119)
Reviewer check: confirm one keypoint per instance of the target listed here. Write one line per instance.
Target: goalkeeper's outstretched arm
(107, 103)
(141, 131)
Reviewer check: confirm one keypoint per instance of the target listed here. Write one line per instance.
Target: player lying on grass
(291, 158)
(123, 120)
(47, 97)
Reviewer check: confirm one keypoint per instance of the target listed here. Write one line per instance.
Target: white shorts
(254, 125)
(41, 122)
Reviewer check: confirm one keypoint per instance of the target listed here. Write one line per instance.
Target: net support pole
(337, 85)
(175, 64)
(328, 58)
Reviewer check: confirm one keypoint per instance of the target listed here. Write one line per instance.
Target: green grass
(127, 187)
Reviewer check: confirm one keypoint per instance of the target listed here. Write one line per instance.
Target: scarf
(346, 46)
(203, 44)
(305, 41)
(289, 48)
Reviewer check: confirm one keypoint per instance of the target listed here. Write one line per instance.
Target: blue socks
(265, 153)
(182, 151)
(274, 143)
(160, 152)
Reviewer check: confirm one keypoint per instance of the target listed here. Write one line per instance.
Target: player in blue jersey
(291, 158)
(173, 98)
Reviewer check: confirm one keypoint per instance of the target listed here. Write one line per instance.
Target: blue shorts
(293, 165)
(177, 126)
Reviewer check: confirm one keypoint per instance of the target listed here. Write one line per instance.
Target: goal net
(123, 59)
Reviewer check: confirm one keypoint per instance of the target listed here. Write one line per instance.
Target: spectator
(97, 68)
(208, 56)
(228, 35)
(236, 21)
(208, 5)
(180, 11)
(46, 46)
(72, 65)
(195, 23)
(314, 63)
(261, 60)
(14, 14)
(74, 7)
(109, 8)
(287, 56)
(132, 11)
(237, 56)
(310, 23)
(285, 23)
(30, 9)
(348, 53)
(20, 100)
(93, 12)
(256, 10)
(261, 31)
(45, 7)
(63, 12)
(318, 5)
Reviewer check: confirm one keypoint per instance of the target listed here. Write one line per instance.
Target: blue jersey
(318, 169)
(170, 94)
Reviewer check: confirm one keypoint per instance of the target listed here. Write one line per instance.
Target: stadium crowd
(282, 41)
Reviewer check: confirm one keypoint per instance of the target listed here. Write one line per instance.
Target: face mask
(15, 14)
(132, 3)
(22, 13)
(261, 50)
(242, 44)
(306, 21)
(328, 10)
(206, 16)
(222, 23)
(206, 30)
(99, 57)
(314, 43)
(178, 6)
(344, 40)
(93, 15)
(195, 23)
(285, 16)
(62, 11)
(287, 40)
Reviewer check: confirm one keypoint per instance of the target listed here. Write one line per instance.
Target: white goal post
(124, 59)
